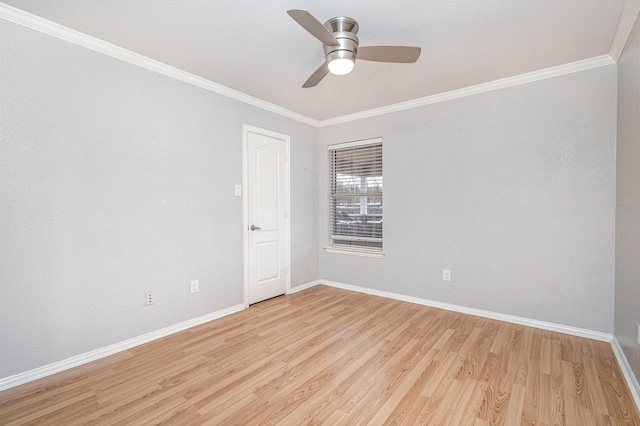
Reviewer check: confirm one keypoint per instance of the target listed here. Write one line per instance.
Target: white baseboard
(574, 331)
(632, 382)
(304, 286)
(56, 367)
(47, 370)
(630, 378)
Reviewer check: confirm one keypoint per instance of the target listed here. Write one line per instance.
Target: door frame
(246, 129)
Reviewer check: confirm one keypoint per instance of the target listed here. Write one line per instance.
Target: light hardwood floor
(329, 356)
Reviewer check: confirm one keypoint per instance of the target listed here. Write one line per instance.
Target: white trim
(56, 30)
(245, 218)
(304, 286)
(574, 331)
(583, 65)
(625, 26)
(355, 252)
(632, 382)
(627, 372)
(352, 144)
(246, 129)
(66, 364)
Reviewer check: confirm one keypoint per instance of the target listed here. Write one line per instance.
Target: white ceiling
(254, 47)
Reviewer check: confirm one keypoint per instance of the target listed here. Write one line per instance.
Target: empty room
(341, 213)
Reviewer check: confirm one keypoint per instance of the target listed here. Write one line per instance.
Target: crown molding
(59, 31)
(583, 65)
(625, 26)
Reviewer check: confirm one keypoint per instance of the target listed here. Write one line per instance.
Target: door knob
(255, 228)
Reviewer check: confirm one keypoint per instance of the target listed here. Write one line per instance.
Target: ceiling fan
(338, 35)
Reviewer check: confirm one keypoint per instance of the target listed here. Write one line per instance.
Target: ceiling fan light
(341, 66)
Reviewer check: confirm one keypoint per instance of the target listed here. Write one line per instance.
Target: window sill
(362, 253)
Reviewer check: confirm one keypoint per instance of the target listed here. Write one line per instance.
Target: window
(355, 197)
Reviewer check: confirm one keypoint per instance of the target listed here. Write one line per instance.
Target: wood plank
(330, 356)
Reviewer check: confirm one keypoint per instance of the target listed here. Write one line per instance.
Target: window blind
(355, 195)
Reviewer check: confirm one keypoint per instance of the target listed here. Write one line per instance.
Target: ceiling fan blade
(317, 76)
(311, 24)
(400, 54)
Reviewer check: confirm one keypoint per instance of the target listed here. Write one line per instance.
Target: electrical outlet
(237, 190)
(195, 286)
(446, 275)
(148, 298)
(638, 324)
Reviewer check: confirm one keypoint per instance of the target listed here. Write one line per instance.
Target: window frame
(353, 249)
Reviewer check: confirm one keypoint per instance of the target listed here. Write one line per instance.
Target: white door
(266, 214)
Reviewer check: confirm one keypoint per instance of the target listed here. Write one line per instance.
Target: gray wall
(115, 180)
(628, 202)
(512, 190)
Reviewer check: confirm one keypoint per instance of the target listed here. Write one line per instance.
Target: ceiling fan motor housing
(344, 29)
(342, 23)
